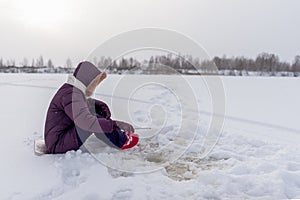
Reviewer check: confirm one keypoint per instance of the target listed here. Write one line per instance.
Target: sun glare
(42, 13)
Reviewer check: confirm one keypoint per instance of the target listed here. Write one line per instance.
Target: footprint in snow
(123, 194)
(92, 197)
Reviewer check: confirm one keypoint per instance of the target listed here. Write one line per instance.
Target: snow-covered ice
(256, 157)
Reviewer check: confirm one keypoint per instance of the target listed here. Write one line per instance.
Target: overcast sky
(60, 29)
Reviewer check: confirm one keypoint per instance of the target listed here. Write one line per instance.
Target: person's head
(89, 75)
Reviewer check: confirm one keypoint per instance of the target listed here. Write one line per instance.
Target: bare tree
(68, 63)
(296, 64)
(50, 64)
(11, 63)
(33, 63)
(40, 62)
(106, 63)
(24, 63)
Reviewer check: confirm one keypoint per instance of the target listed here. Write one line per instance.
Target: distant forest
(265, 64)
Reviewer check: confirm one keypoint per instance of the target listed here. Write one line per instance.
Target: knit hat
(86, 72)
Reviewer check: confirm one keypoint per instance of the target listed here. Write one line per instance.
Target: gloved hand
(99, 107)
(115, 125)
(104, 111)
(123, 126)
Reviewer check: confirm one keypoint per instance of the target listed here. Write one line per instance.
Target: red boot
(132, 140)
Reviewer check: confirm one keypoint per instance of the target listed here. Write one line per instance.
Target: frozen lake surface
(256, 155)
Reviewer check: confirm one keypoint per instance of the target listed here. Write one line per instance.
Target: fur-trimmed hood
(86, 72)
(83, 77)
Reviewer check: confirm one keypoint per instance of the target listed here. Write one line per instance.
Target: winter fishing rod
(142, 128)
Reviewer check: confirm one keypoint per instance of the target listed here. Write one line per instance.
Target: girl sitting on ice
(73, 116)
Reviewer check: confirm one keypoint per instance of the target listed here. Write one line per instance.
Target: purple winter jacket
(70, 108)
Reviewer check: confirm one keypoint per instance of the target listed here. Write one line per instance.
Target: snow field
(256, 156)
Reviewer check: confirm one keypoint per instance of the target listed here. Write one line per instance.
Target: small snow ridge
(123, 194)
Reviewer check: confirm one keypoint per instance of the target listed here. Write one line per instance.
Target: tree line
(39, 62)
(264, 63)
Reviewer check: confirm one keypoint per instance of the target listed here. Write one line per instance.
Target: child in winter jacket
(73, 116)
